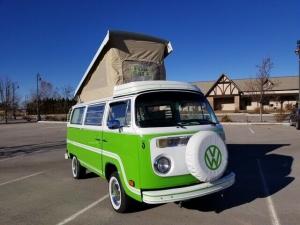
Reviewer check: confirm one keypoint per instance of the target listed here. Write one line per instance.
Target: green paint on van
(135, 159)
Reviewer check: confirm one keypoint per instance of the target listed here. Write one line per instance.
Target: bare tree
(67, 93)
(7, 93)
(46, 89)
(261, 84)
(15, 98)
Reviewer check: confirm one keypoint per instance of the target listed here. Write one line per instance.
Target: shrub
(55, 118)
(279, 117)
(27, 118)
(289, 107)
(226, 118)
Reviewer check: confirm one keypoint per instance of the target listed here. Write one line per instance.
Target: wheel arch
(109, 169)
(111, 165)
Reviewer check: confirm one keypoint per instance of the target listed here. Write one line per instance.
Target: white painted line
(271, 207)
(67, 220)
(251, 130)
(50, 127)
(53, 122)
(258, 123)
(21, 178)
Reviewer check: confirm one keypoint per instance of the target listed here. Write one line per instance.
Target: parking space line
(21, 178)
(251, 130)
(2, 160)
(67, 220)
(271, 207)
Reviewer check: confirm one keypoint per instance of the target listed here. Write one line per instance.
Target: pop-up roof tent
(123, 57)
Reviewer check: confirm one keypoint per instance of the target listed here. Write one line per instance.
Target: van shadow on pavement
(243, 160)
(9, 152)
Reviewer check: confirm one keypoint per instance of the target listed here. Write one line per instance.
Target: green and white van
(153, 141)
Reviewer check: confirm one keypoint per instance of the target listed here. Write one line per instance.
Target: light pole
(38, 78)
(297, 51)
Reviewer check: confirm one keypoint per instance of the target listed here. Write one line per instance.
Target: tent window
(140, 71)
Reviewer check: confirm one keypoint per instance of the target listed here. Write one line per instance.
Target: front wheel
(78, 171)
(118, 198)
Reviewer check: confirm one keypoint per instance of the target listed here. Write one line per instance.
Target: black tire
(298, 124)
(118, 198)
(78, 171)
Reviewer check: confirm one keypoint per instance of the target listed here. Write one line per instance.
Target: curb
(256, 123)
(59, 122)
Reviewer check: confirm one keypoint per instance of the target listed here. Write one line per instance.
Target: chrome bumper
(184, 193)
(66, 156)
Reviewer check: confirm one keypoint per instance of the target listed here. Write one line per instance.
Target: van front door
(120, 143)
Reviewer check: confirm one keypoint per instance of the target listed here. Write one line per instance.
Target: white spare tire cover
(206, 156)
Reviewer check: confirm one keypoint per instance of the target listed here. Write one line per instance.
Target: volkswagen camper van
(153, 141)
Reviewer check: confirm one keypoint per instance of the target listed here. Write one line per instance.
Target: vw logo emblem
(213, 157)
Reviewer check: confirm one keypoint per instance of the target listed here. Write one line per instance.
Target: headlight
(172, 141)
(162, 164)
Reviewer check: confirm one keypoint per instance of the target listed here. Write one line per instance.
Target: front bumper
(184, 193)
(66, 156)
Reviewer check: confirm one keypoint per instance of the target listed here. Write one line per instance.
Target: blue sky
(58, 38)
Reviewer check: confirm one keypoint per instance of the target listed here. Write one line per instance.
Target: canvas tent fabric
(123, 57)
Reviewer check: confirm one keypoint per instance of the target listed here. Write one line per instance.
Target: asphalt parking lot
(36, 186)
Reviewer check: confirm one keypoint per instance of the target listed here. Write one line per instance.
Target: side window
(94, 115)
(120, 111)
(77, 115)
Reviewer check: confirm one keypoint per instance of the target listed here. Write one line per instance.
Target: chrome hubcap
(115, 193)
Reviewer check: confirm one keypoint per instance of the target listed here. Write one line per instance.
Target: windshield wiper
(180, 124)
(209, 122)
(197, 122)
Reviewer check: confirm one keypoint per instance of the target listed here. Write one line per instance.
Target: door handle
(104, 140)
(98, 139)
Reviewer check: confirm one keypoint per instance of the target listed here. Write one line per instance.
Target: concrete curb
(224, 123)
(257, 123)
(60, 122)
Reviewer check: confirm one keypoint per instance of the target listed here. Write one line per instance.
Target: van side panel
(89, 154)
(92, 157)
(122, 150)
(74, 134)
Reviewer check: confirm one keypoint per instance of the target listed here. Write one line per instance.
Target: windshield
(168, 108)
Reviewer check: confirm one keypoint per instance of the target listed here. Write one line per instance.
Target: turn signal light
(131, 183)
(172, 141)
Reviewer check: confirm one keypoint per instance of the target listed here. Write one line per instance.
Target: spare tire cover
(206, 156)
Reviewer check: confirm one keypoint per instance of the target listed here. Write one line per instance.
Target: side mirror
(114, 124)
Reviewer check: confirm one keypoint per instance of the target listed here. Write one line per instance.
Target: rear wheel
(118, 198)
(78, 171)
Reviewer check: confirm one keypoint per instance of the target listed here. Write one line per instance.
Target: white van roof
(142, 86)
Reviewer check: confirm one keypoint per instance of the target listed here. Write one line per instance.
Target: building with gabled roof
(227, 94)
